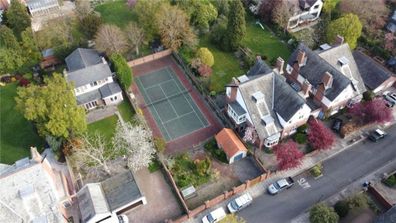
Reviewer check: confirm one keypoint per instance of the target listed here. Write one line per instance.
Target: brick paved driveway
(161, 202)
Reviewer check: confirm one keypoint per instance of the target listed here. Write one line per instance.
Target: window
(111, 99)
(94, 84)
(115, 97)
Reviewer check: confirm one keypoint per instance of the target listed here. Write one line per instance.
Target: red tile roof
(229, 142)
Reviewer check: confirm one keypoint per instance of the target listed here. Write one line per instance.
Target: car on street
(240, 203)
(280, 185)
(377, 135)
(337, 124)
(214, 216)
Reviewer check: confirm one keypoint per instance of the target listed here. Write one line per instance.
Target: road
(339, 172)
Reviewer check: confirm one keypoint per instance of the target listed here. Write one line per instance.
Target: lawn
(126, 111)
(16, 133)
(262, 42)
(117, 13)
(105, 127)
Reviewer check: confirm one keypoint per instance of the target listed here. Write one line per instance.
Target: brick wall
(149, 58)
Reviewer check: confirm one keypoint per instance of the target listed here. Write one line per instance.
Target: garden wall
(384, 202)
(150, 57)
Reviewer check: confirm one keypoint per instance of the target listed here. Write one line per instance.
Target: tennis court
(170, 104)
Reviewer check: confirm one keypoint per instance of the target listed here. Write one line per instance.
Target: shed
(228, 141)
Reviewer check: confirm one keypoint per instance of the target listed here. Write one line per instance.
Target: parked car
(390, 97)
(214, 216)
(389, 104)
(280, 185)
(337, 125)
(377, 135)
(240, 203)
(123, 218)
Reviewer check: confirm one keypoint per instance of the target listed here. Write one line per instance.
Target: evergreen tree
(17, 17)
(11, 58)
(29, 47)
(236, 27)
(8, 39)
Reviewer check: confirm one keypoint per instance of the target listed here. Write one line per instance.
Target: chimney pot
(301, 58)
(306, 88)
(279, 64)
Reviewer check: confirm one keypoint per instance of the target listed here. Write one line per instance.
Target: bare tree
(136, 142)
(110, 39)
(83, 8)
(174, 27)
(281, 14)
(94, 151)
(135, 36)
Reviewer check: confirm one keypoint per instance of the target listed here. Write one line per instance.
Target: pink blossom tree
(374, 111)
(389, 41)
(288, 155)
(250, 134)
(319, 136)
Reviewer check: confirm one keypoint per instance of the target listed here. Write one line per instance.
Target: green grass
(262, 42)
(126, 111)
(226, 66)
(117, 13)
(16, 133)
(105, 127)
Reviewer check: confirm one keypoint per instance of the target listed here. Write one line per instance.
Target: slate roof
(121, 190)
(82, 58)
(351, 70)
(109, 89)
(88, 97)
(372, 73)
(237, 108)
(89, 74)
(91, 201)
(259, 68)
(315, 68)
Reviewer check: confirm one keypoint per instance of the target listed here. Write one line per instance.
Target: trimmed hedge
(123, 71)
(341, 208)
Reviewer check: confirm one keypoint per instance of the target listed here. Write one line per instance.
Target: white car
(123, 218)
(240, 203)
(214, 216)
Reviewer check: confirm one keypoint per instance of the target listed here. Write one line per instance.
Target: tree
(372, 14)
(110, 39)
(358, 201)
(218, 31)
(10, 60)
(374, 111)
(320, 213)
(135, 36)
(288, 155)
(52, 107)
(222, 6)
(123, 71)
(174, 28)
(29, 47)
(83, 8)
(232, 218)
(90, 24)
(146, 11)
(205, 56)
(8, 39)
(137, 143)
(250, 134)
(341, 208)
(347, 26)
(329, 6)
(319, 136)
(17, 17)
(266, 9)
(236, 26)
(281, 14)
(389, 41)
(94, 151)
(203, 13)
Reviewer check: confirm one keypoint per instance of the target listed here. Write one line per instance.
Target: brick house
(328, 78)
(264, 100)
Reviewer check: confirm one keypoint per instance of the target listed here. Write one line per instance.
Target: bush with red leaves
(374, 111)
(319, 136)
(288, 155)
(204, 70)
(23, 82)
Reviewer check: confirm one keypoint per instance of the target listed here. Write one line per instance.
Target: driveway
(246, 169)
(339, 172)
(161, 202)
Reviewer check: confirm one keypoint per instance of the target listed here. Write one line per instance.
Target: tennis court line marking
(155, 85)
(154, 108)
(178, 117)
(203, 125)
(152, 72)
(173, 108)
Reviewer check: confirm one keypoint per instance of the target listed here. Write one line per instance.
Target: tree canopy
(17, 17)
(236, 26)
(374, 111)
(110, 39)
(288, 155)
(52, 107)
(10, 51)
(205, 56)
(319, 136)
(90, 24)
(320, 213)
(146, 10)
(347, 26)
(134, 35)
(123, 71)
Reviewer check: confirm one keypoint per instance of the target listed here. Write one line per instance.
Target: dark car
(337, 125)
(377, 135)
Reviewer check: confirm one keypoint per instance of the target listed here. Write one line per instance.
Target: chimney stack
(327, 80)
(279, 64)
(301, 58)
(306, 88)
(339, 40)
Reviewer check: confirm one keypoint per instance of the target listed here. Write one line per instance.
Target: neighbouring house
(112, 197)
(33, 191)
(375, 76)
(387, 217)
(92, 79)
(48, 59)
(328, 78)
(232, 146)
(262, 99)
(391, 27)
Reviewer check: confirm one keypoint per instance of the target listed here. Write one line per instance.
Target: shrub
(390, 181)
(316, 170)
(23, 82)
(203, 166)
(6, 79)
(123, 71)
(154, 166)
(205, 56)
(302, 128)
(204, 70)
(160, 144)
(320, 213)
(368, 95)
(300, 138)
(341, 208)
(211, 147)
(358, 201)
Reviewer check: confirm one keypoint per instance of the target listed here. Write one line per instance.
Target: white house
(305, 12)
(264, 100)
(93, 82)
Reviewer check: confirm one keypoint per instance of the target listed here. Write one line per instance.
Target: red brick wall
(150, 57)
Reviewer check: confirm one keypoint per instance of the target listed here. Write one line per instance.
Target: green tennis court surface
(170, 104)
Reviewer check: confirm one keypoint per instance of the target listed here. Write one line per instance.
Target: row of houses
(314, 83)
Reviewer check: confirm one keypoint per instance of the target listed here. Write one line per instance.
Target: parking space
(161, 202)
(246, 169)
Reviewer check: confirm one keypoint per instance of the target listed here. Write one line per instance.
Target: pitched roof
(103, 92)
(372, 73)
(315, 68)
(350, 70)
(91, 201)
(82, 58)
(259, 68)
(109, 89)
(229, 142)
(89, 74)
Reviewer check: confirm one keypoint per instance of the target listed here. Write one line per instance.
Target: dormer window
(343, 61)
(258, 97)
(267, 119)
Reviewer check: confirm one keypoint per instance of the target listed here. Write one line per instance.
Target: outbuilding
(233, 147)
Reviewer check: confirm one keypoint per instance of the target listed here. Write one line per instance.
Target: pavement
(358, 162)
(101, 113)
